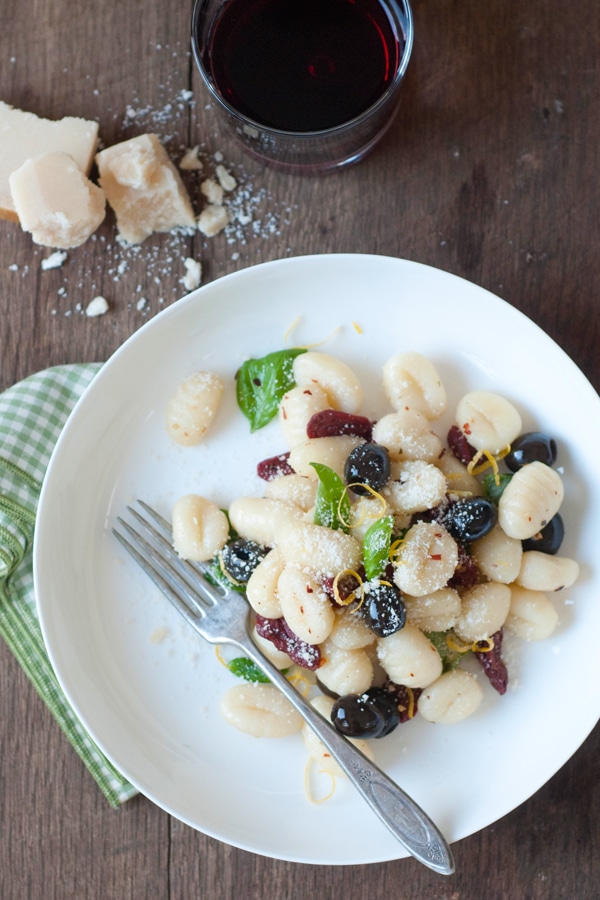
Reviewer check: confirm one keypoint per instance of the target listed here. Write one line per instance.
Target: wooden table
(489, 172)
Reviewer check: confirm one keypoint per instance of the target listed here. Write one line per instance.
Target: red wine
(303, 65)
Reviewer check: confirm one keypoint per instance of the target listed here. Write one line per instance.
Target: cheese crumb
(190, 160)
(55, 260)
(144, 188)
(226, 179)
(193, 274)
(213, 219)
(55, 201)
(212, 191)
(97, 307)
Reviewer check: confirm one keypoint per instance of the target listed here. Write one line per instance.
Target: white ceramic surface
(148, 689)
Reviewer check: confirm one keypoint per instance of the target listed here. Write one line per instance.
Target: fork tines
(149, 540)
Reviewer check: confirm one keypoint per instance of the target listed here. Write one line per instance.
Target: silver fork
(222, 616)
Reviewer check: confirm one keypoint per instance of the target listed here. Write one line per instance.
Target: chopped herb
(246, 669)
(261, 383)
(492, 490)
(332, 504)
(450, 657)
(376, 546)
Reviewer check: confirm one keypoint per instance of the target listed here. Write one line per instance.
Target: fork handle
(402, 815)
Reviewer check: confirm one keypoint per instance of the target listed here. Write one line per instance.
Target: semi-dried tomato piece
(459, 445)
(274, 466)
(307, 656)
(466, 573)
(492, 663)
(334, 422)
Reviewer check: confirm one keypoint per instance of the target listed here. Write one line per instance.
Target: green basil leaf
(494, 491)
(261, 383)
(450, 658)
(246, 669)
(376, 546)
(332, 503)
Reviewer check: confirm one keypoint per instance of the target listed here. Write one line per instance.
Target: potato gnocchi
(387, 558)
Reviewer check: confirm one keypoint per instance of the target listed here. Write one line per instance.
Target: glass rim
(305, 135)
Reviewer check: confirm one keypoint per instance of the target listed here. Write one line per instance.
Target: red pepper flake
(436, 556)
(466, 428)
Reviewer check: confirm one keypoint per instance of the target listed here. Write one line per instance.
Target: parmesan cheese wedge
(144, 188)
(23, 136)
(55, 201)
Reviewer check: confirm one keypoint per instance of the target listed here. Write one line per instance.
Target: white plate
(148, 689)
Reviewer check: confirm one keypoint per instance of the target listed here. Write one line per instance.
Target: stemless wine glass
(305, 85)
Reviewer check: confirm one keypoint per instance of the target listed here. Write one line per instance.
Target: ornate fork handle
(217, 615)
(404, 818)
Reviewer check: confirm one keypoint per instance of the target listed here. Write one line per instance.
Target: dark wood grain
(490, 172)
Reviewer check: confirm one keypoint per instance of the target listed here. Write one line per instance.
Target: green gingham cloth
(32, 415)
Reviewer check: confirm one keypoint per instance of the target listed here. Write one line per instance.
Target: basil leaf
(261, 383)
(332, 503)
(492, 490)
(376, 546)
(450, 658)
(246, 669)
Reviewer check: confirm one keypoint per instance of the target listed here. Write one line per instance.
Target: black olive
(241, 557)
(354, 716)
(470, 519)
(384, 702)
(383, 609)
(534, 446)
(549, 539)
(367, 464)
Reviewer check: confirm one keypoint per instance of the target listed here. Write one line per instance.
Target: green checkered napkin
(32, 414)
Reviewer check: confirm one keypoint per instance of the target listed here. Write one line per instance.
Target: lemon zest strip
(227, 574)
(219, 656)
(364, 515)
(476, 467)
(301, 684)
(340, 600)
(395, 551)
(489, 645)
(307, 771)
(457, 645)
(292, 328)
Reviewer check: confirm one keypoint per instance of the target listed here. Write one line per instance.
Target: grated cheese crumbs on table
(225, 178)
(193, 274)
(97, 307)
(213, 191)
(190, 161)
(55, 260)
(213, 219)
(248, 211)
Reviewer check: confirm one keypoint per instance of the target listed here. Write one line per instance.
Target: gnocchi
(260, 710)
(490, 421)
(340, 383)
(452, 698)
(193, 407)
(411, 380)
(200, 528)
(531, 498)
(407, 435)
(363, 581)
